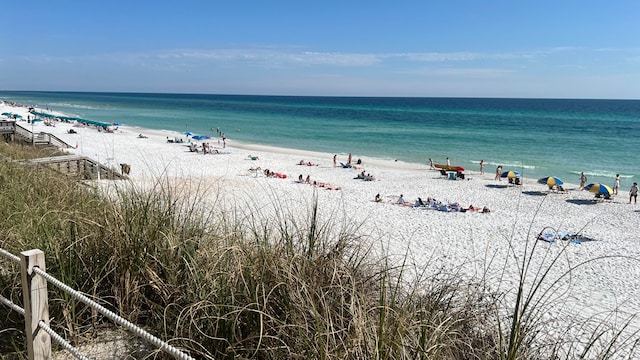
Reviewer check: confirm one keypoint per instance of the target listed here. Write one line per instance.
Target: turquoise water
(537, 137)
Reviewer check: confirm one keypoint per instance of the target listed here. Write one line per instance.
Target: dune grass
(239, 284)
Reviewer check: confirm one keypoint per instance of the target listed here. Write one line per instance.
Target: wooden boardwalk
(12, 131)
(76, 166)
(80, 167)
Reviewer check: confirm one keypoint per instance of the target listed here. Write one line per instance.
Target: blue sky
(549, 49)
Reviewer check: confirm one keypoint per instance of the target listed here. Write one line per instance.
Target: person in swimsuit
(633, 193)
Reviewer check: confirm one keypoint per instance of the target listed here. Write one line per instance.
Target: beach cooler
(452, 176)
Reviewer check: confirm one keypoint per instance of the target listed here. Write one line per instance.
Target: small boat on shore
(449, 167)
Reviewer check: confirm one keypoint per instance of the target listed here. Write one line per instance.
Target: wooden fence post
(36, 307)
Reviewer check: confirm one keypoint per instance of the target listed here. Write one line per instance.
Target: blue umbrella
(510, 174)
(188, 133)
(600, 189)
(550, 181)
(201, 137)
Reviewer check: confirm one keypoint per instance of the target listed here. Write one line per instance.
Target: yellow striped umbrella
(550, 181)
(510, 174)
(599, 188)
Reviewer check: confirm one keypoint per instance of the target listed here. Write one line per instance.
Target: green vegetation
(238, 285)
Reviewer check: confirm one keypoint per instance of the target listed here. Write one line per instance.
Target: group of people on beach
(365, 176)
(633, 191)
(222, 136)
(432, 203)
(325, 185)
(206, 148)
(349, 164)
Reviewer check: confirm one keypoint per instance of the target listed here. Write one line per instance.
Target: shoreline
(535, 151)
(431, 239)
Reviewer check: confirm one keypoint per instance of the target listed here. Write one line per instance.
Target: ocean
(536, 137)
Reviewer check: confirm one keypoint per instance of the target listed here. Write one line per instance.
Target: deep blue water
(538, 137)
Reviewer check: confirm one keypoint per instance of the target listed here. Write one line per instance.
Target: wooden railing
(81, 167)
(41, 138)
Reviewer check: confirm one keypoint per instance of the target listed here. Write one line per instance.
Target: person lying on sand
(269, 173)
(308, 163)
(326, 185)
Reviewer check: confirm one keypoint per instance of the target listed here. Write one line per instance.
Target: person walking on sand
(616, 185)
(633, 193)
(482, 167)
(498, 172)
(431, 164)
(583, 180)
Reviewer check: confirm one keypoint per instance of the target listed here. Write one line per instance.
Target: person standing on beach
(431, 164)
(448, 162)
(583, 180)
(335, 159)
(633, 193)
(498, 172)
(481, 167)
(616, 185)
(349, 159)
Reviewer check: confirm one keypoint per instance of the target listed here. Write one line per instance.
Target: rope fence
(34, 295)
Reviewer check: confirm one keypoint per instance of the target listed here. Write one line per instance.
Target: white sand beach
(490, 245)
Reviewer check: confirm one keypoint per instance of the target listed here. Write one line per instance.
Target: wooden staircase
(80, 167)
(15, 132)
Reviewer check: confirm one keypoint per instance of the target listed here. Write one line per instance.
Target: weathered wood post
(36, 305)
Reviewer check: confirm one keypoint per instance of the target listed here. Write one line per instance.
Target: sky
(418, 48)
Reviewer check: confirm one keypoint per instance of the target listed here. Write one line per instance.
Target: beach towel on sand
(553, 236)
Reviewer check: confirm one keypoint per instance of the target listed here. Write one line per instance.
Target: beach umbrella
(510, 174)
(550, 181)
(201, 137)
(17, 116)
(599, 188)
(188, 133)
(36, 120)
(6, 114)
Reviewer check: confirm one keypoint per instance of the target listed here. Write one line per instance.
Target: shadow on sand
(496, 186)
(581, 201)
(535, 193)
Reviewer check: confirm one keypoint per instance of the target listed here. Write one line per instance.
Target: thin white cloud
(465, 73)
(275, 57)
